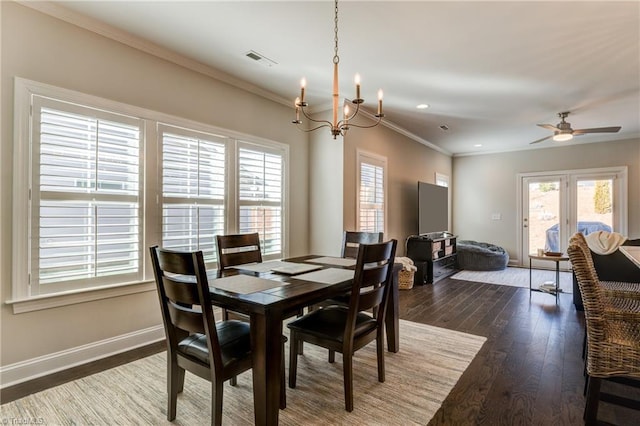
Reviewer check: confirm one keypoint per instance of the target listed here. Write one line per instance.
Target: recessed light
(478, 145)
(422, 106)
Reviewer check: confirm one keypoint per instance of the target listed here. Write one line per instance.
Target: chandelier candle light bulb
(297, 104)
(337, 128)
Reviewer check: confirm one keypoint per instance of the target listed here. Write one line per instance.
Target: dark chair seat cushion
(234, 338)
(329, 323)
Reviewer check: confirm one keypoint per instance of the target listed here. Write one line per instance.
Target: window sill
(49, 301)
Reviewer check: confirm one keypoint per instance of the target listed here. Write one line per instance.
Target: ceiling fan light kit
(562, 137)
(337, 127)
(563, 132)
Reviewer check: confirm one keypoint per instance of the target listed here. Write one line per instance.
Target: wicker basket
(405, 279)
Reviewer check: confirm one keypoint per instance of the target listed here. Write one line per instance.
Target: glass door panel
(542, 218)
(594, 205)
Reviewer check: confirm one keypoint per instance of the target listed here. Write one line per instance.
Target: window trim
(19, 299)
(376, 160)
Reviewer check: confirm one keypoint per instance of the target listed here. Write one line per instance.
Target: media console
(434, 254)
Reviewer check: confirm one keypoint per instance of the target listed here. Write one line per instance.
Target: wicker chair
(611, 289)
(613, 338)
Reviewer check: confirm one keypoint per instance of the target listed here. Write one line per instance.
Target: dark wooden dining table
(269, 307)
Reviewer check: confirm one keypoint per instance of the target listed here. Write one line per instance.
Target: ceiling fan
(563, 131)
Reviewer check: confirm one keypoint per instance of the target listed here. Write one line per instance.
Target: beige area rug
(418, 379)
(518, 277)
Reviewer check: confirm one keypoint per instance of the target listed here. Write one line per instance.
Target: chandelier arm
(327, 124)
(357, 104)
(308, 117)
(365, 127)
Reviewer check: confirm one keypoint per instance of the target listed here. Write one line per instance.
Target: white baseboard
(41, 366)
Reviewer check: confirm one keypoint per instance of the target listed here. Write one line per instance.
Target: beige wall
(38, 47)
(486, 184)
(408, 162)
(326, 189)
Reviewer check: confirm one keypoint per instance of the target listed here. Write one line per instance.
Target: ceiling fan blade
(550, 127)
(597, 130)
(540, 140)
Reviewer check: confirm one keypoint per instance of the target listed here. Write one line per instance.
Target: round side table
(557, 260)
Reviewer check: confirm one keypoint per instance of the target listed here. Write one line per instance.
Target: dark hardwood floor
(529, 371)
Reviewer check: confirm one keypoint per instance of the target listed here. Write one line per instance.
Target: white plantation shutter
(193, 190)
(371, 194)
(95, 185)
(86, 194)
(260, 198)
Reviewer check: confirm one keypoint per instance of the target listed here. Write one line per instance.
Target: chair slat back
(372, 280)
(579, 240)
(183, 291)
(238, 249)
(592, 297)
(351, 241)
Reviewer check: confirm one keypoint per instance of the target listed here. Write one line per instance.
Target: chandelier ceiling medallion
(337, 127)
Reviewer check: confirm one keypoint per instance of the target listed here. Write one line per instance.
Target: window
(442, 180)
(260, 183)
(95, 185)
(85, 211)
(193, 190)
(371, 192)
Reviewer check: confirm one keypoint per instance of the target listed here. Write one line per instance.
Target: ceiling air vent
(261, 59)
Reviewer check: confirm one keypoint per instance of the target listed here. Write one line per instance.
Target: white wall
(39, 47)
(486, 184)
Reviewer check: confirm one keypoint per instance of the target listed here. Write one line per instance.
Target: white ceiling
(490, 71)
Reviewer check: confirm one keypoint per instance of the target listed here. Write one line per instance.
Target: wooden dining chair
(195, 342)
(238, 249)
(351, 241)
(613, 338)
(234, 250)
(346, 329)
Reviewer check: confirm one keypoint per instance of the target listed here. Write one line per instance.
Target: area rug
(418, 379)
(517, 277)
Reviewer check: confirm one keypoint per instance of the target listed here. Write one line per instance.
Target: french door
(557, 204)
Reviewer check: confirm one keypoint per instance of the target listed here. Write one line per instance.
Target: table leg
(392, 318)
(557, 280)
(529, 279)
(266, 345)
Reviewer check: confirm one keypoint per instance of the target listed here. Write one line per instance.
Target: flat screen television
(433, 208)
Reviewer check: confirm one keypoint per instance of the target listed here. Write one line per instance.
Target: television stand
(434, 254)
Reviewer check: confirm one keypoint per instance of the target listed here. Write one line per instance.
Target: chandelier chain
(336, 58)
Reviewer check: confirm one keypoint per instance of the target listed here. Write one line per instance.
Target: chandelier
(337, 127)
